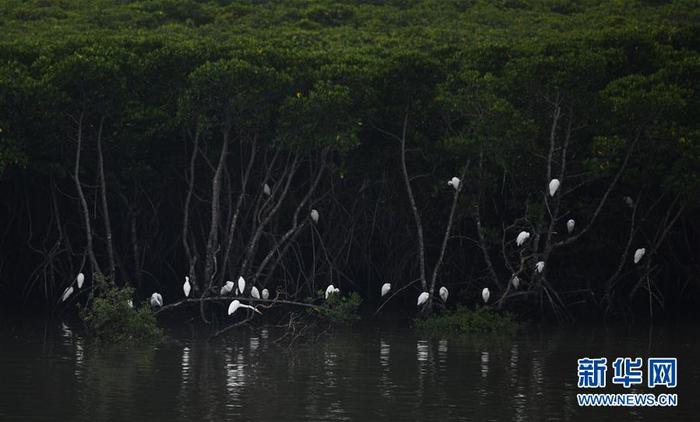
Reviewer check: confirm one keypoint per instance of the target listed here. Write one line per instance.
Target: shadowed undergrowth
(463, 320)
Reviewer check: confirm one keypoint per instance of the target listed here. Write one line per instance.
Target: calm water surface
(48, 373)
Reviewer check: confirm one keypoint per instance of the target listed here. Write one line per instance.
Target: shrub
(341, 309)
(465, 321)
(109, 316)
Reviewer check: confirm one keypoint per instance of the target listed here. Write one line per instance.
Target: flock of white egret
(156, 299)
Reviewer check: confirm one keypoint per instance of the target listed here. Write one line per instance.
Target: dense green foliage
(110, 315)
(341, 309)
(172, 115)
(463, 320)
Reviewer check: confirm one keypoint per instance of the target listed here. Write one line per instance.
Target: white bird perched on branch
(539, 266)
(314, 215)
(485, 294)
(80, 279)
(522, 237)
(330, 290)
(553, 186)
(570, 225)
(515, 281)
(241, 285)
(156, 300)
(265, 294)
(629, 201)
(266, 189)
(639, 254)
(226, 288)
(254, 292)
(385, 288)
(66, 293)
(454, 182)
(423, 297)
(187, 287)
(233, 307)
(444, 293)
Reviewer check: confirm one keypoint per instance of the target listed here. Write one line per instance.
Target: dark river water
(367, 373)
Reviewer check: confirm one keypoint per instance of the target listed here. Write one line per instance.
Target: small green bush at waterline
(341, 309)
(465, 321)
(110, 317)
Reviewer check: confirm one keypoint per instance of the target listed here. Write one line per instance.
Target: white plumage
(444, 293)
(187, 287)
(454, 182)
(639, 254)
(314, 216)
(515, 281)
(266, 189)
(539, 266)
(629, 201)
(227, 288)
(330, 290)
(130, 303)
(233, 307)
(570, 225)
(241, 285)
(423, 297)
(156, 300)
(80, 279)
(254, 292)
(522, 237)
(485, 294)
(265, 294)
(385, 288)
(66, 293)
(553, 186)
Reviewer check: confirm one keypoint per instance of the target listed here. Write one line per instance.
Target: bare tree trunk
(213, 240)
(414, 208)
(239, 203)
(448, 229)
(105, 207)
(191, 258)
(83, 202)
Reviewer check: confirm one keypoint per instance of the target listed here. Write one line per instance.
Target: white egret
(385, 288)
(187, 287)
(639, 254)
(485, 294)
(80, 279)
(266, 189)
(223, 291)
(515, 281)
(254, 292)
(570, 225)
(444, 293)
(265, 294)
(233, 307)
(228, 286)
(330, 290)
(241, 285)
(314, 215)
(629, 201)
(156, 300)
(553, 186)
(423, 297)
(130, 303)
(522, 237)
(454, 182)
(66, 293)
(539, 266)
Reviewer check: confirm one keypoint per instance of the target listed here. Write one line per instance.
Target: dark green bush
(341, 309)
(110, 317)
(465, 321)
